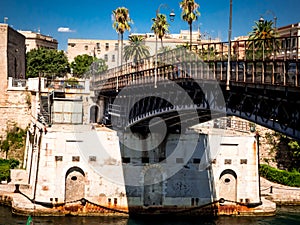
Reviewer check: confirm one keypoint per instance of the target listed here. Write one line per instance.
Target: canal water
(285, 215)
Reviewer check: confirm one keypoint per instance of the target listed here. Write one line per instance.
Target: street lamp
(172, 17)
(261, 19)
(229, 46)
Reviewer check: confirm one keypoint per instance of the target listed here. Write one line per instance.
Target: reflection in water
(286, 215)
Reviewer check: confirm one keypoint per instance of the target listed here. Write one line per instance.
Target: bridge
(184, 88)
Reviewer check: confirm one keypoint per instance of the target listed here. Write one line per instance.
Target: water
(285, 215)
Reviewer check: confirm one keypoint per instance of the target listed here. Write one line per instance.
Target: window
(98, 46)
(179, 160)
(75, 158)
(106, 46)
(126, 160)
(196, 160)
(145, 160)
(106, 57)
(86, 47)
(116, 46)
(92, 158)
(227, 161)
(243, 161)
(58, 158)
(113, 58)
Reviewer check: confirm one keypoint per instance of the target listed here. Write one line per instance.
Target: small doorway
(228, 185)
(94, 114)
(75, 187)
(153, 187)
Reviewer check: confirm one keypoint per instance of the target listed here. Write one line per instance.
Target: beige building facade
(104, 49)
(37, 40)
(13, 107)
(108, 49)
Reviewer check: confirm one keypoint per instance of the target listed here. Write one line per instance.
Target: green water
(285, 215)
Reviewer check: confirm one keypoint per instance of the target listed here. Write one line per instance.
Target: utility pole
(229, 46)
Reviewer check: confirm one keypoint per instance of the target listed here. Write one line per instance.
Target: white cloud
(65, 29)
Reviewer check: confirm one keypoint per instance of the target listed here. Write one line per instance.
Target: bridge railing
(270, 61)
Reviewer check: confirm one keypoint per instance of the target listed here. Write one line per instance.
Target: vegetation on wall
(280, 176)
(287, 151)
(5, 166)
(15, 139)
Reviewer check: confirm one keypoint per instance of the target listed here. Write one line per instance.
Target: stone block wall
(14, 110)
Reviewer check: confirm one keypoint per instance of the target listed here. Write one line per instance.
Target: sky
(92, 19)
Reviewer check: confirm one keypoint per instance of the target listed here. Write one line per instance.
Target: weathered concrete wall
(64, 165)
(14, 109)
(75, 162)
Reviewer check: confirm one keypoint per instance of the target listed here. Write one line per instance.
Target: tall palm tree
(262, 39)
(121, 23)
(160, 26)
(189, 14)
(136, 50)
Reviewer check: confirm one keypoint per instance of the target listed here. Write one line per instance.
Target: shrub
(280, 176)
(5, 166)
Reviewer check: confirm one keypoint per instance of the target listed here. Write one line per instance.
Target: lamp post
(229, 46)
(261, 19)
(172, 16)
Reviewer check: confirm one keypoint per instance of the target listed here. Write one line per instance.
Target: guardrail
(275, 62)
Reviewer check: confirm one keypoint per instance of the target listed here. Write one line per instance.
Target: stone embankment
(280, 194)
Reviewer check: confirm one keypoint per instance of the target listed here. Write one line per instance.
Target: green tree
(136, 50)
(121, 23)
(98, 66)
(81, 65)
(261, 42)
(160, 27)
(47, 62)
(189, 14)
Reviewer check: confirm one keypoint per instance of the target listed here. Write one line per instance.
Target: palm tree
(189, 14)
(261, 39)
(136, 50)
(121, 23)
(160, 26)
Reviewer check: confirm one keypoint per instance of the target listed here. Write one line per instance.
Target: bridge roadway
(186, 89)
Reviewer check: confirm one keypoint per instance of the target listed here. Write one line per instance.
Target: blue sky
(91, 19)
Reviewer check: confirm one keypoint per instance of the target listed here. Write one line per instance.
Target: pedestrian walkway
(280, 194)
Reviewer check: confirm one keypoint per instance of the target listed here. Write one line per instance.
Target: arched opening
(228, 185)
(153, 187)
(75, 187)
(94, 111)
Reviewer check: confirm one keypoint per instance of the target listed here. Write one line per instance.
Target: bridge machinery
(165, 161)
(253, 93)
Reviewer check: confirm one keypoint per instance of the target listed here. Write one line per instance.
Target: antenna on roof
(5, 19)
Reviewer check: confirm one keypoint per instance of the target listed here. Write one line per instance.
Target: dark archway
(228, 185)
(94, 111)
(153, 187)
(75, 184)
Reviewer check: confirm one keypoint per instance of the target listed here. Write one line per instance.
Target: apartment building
(104, 49)
(37, 40)
(108, 49)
